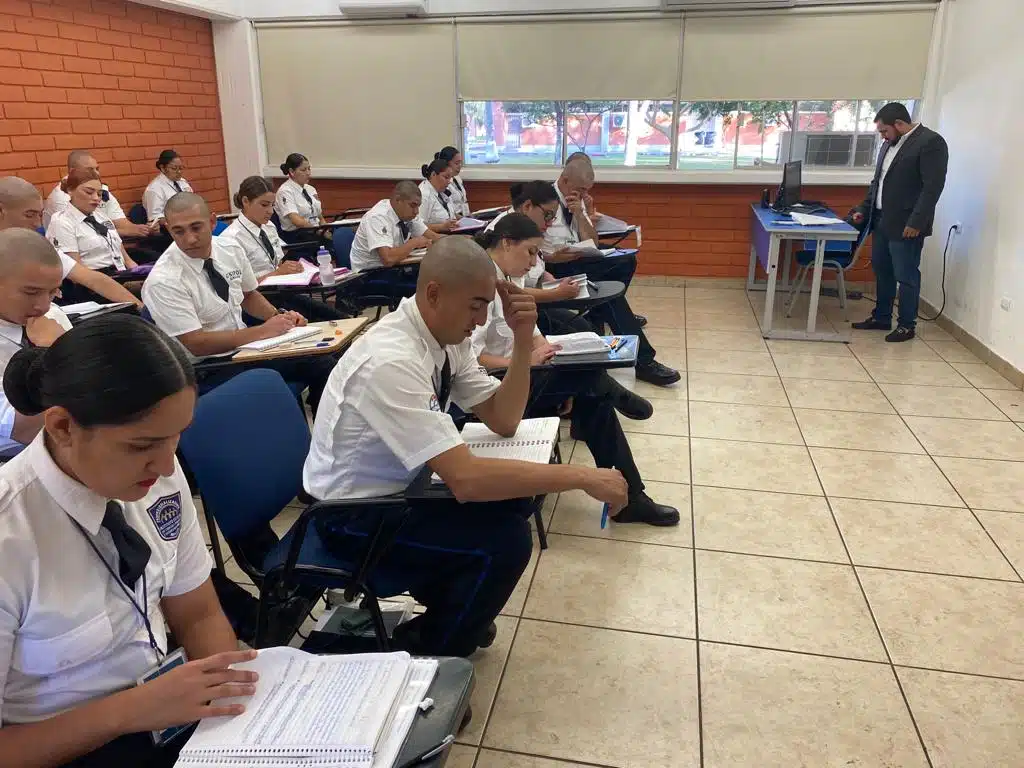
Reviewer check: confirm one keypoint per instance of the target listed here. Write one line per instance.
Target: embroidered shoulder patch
(166, 515)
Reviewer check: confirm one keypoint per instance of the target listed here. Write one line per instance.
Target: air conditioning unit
(382, 9)
(725, 5)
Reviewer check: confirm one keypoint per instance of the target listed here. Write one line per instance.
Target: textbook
(610, 225)
(295, 334)
(310, 274)
(351, 711)
(580, 281)
(533, 441)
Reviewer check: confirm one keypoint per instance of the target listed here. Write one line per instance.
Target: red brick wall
(122, 80)
(693, 230)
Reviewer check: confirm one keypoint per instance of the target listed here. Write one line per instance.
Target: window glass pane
(620, 133)
(764, 128)
(513, 132)
(825, 134)
(707, 135)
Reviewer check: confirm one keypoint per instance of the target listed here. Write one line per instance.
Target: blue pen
(604, 516)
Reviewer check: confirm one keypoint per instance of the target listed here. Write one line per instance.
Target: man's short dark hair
(891, 112)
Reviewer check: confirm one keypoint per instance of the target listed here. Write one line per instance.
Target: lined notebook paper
(295, 334)
(329, 711)
(533, 441)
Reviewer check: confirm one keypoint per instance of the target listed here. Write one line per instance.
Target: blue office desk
(768, 230)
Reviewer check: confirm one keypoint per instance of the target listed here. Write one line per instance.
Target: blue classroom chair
(840, 257)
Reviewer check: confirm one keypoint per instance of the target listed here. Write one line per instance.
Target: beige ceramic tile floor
(844, 589)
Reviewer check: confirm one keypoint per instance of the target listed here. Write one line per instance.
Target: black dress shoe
(657, 374)
(643, 509)
(902, 333)
(629, 404)
(871, 324)
(487, 639)
(641, 320)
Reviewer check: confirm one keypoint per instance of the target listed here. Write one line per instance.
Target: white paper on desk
(583, 343)
(810, 220)
(397, 729)
(586, 245)
(88, 307)
(305, 277)
(607, 224)
(468, 222)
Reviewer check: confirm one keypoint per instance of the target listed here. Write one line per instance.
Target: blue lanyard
(143, 612)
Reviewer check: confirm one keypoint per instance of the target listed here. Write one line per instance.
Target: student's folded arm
(474, 479)
(392, 255)
(491, 362)
(99, 283)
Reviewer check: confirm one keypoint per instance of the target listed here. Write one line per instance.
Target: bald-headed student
(390, 231)
(22, 207)
(385, 415)
(30, 276)
(199, 288)
(58, 199)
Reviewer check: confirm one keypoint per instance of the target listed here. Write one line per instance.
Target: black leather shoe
(902, 333)
(629, 404)
(643, 509)
(657, 374)
(487, 638)
(872, 325)
(641, 320)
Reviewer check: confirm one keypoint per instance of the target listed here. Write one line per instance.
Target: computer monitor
(789, 190)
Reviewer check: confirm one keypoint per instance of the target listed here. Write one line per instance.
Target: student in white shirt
(101, 553)
(258, 238)
(82, 231)
(169, 182)
(198, 289)
(435, 210)
(384, 417)
(21, 207)
(593, 397)
(298, 204)
(30, 278)
(390, 231)
(458, 196)
(109, 207)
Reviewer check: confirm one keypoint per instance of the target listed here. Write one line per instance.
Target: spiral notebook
(533, 441)
(350, 711)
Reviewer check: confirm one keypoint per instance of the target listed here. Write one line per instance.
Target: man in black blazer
(899, 210)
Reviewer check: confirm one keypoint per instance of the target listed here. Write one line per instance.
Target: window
(762, 129)
(706, 135)
(512, 132)
(620, 133)
(838, 134)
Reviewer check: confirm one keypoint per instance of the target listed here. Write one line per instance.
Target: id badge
(170, 661)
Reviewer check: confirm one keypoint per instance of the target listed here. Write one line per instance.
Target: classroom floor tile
(852, 522)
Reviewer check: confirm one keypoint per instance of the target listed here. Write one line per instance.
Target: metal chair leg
(794, 292)
(841, 285)
(538, 519)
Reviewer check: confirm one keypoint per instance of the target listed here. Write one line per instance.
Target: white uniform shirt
(181, 298)
(494, 337)
(68, 634)
(559, 233)
(890, 155)
(59, 200)
(459, 200)
(290, 199)
(69, 232)
(160, 190)
(380, 420)
(436, 207)
(247, 235)
(379, 229)
(12, 338)
(532, 278)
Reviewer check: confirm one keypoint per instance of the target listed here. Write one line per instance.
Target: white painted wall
(272, 9)
(234, 46)
(208, 9)
(980, 112)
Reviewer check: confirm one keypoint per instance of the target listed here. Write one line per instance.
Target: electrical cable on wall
(945, 251)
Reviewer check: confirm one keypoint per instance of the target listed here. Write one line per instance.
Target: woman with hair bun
(169, 182)
(458, 196)
(99, 547)
(435, 210)
(297, 202)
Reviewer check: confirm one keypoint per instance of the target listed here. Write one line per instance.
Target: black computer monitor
(789, 190)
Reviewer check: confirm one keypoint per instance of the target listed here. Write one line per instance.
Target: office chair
(243, 487)
(840, 262)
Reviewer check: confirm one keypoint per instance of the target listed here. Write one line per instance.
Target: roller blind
(806, 56)
(378, 95)
(555, 60)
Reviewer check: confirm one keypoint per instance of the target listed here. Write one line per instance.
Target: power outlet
(958, 227)
(1006, 303)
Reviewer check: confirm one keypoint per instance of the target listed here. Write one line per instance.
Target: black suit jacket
(912, 185)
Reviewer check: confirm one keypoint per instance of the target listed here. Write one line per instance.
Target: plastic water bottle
(323, 258)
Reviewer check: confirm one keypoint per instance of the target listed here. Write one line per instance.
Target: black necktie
(444, 204)
(132, 550)
(177, 186)
(220, 285)
(99, 229)
(267, 246)
(403, 227)
(444, 391)
(457, 185)
(567, 214)
(305, 194)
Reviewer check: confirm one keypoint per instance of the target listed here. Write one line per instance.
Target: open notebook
(295, 334)
(533, 441)
(326, 711)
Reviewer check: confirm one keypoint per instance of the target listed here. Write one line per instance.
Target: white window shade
(806, 56)
(359, 95)
(564, 60)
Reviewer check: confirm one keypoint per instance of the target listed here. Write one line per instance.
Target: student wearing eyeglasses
(169, 182)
